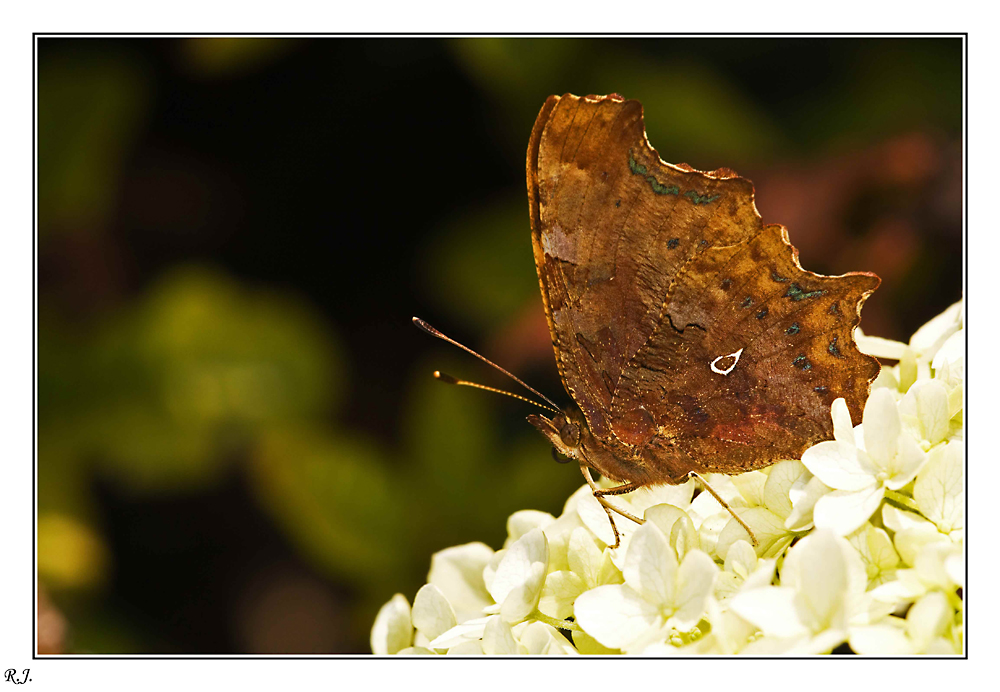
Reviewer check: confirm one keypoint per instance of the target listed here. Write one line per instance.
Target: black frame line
(372, 657)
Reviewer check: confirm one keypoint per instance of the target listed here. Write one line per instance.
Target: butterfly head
(566, 431)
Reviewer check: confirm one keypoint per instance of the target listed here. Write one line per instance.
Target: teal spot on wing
(662, 189)
(794, 329)
(797, 293)
(659, 188)
(801, 362)
(700, 199)
(634, 166)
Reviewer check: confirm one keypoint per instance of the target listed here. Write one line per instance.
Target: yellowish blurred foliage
(71, 555)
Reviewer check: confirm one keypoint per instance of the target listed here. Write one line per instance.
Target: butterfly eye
(570, 434)
(560, 458)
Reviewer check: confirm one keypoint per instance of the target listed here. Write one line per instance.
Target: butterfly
(686, 332)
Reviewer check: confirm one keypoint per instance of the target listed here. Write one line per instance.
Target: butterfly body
(684, 329)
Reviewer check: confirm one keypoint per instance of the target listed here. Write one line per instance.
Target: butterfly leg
(608, 507)
(725, 504)
(617, 490)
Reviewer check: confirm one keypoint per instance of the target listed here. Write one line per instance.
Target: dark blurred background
(240, 445)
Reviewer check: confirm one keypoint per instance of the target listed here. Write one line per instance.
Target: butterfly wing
(744, 367)
(611, 228)
(623, 245)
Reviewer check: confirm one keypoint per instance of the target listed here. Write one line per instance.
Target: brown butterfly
(685, 330)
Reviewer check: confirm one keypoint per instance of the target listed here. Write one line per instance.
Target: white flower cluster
(860, 542)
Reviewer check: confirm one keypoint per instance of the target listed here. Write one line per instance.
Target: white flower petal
(741, 559)
(415, 651)
(816, 568)
(586, 644)
(880, 640)
(775, 646)
(559, 592)
(705, 505)
(392, 631)
(432, 614)
(839, 466)
(903, 589)
(523, 599)
(804, 495)
(558, 534)
(910, 458)
(768, 527)
(695, 578)
(843, 428)
(616, 615)
(932, 409)
(751, 487)
(651, 565)
(929, 564)
(762, 576)
(772, 609)
(664, 516)
(844, 511)
(939, 491)
(470, 648)
(710, 530)
(676, 525)
(897, 520)
(881, 428)
(874, 547)
(595, 518)
(928, 619)
(471, 630)
(520, 523)
(780, 479)
(952, 352)
(518, 564)
(822, 643)
(498, 639)
(647, 496)
(585, 559)
(878, 346)
(458, 573)
(929, 338)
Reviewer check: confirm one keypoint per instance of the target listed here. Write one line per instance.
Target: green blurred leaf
(165, 390)
(885, 92)
(480, 267)
(226, 56)
(336, 499)
(693, 114)
(80, 157)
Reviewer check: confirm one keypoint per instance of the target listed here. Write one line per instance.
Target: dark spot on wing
(762, 314)
(794, 329)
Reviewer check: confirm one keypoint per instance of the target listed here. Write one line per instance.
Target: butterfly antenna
(451, 380)
(445, 377)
